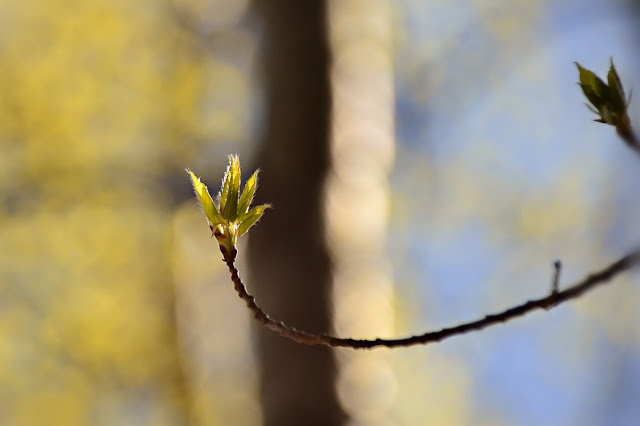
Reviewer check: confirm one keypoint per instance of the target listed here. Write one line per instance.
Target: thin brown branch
(552, 300)
(628, 135)
(629, 138)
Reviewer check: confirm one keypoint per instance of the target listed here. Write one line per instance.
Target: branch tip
(557, 269)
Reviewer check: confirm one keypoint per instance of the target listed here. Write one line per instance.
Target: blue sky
(514, 122)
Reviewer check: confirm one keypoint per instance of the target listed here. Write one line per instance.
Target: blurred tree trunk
(290, 269)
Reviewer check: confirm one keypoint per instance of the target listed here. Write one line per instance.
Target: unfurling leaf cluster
(608, 99)
(230, 215)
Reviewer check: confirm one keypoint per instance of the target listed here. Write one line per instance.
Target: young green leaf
(234, 195)
(617, 96)
(206, 203)
(247, 193)
(230, 189)
(593, 87)
(250, 218)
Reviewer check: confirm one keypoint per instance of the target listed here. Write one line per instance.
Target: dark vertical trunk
(290, 266)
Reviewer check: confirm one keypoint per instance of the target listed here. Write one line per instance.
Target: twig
(552, 300)
(557, 268)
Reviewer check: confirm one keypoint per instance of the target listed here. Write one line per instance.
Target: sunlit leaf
(231, 189)
(247, 193)
(250, 218)
(208, 207)
(224, 191)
